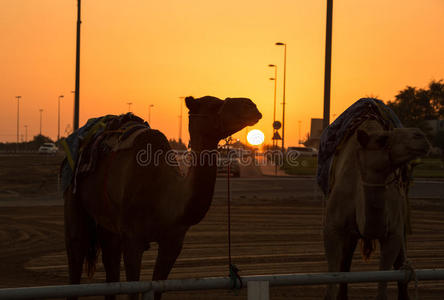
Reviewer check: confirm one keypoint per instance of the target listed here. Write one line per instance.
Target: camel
(368, 202)
(129, 202)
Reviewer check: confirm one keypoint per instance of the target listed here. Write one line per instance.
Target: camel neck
(200, 182)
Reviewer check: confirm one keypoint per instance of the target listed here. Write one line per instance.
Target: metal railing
(148, 287)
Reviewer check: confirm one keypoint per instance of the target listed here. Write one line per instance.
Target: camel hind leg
(77, 236)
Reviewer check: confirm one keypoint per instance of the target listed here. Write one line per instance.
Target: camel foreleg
(132, 255)
(402, 286)
(391, 249)
(168, 252)
(111, 255)
(339, 249)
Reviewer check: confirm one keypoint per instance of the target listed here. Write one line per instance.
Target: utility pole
(327, 71)
(300, 141)
(41, 111)
(180, 119)
(58, 118)
(26, 133)
(77, 89)
(18, 118)
(149, 113)
(283, 97)
(129, 106)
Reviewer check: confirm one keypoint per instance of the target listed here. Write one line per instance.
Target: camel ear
(190, 102)
(363, 138)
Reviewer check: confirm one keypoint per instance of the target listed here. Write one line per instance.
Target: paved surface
(306, 187)
(261, 188)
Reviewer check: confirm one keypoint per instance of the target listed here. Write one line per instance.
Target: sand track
(269, 237)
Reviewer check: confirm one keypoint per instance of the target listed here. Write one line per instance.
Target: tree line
(414, 106)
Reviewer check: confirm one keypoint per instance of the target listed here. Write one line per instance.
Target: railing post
(258, 290)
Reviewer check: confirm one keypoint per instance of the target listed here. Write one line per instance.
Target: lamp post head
(271, 65)
(272, 78)
(151, 105)
(61, 96)
(280, 44)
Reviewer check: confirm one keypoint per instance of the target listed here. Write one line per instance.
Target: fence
(257, 285)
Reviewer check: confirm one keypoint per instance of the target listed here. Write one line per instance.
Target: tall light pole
(129, 106)
(149, 113)
(26, 133)
(77, 88)
(18, 119)
(283, 96)
(180, 119)
(275, 84)
(327, 71)
(299, 123)
(41, 111)
(58, 118)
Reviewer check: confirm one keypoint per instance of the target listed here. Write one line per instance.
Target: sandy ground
(268, 237)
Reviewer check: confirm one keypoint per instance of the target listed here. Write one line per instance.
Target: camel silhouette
(368, 200)
(125, 203)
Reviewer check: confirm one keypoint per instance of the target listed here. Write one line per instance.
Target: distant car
(48, 148)
(231, 160)
(304, 151)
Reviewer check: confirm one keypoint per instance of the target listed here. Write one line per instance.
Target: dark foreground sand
(269, 237)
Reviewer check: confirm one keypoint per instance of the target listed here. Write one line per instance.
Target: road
(306, 187)
(303, 188)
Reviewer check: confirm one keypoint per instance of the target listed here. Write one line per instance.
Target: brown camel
(368, 200)
(137, 196)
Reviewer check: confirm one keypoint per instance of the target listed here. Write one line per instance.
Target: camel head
(379, 154)
(384, 151)
(212, 119)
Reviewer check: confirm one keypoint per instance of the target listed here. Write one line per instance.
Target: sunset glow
(154, 52)
(255, 137)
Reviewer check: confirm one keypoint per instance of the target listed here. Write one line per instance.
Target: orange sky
(153, 52)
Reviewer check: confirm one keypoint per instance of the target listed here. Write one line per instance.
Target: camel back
(338, 133)
(99, 135)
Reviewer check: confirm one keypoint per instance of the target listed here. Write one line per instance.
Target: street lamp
(58, 118)
(26, 133)
(18, 118)
(41, 111)
(275, 83)
(129, 106)
(283, 97)
(180, 119)
(149, 113)
(274, 103)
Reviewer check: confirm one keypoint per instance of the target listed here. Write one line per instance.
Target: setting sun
(255, 137)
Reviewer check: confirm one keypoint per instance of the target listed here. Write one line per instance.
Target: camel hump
(153, 138)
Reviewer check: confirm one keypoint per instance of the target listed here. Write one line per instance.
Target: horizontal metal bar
(214, 283)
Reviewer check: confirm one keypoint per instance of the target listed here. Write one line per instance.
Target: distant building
(315, 133)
